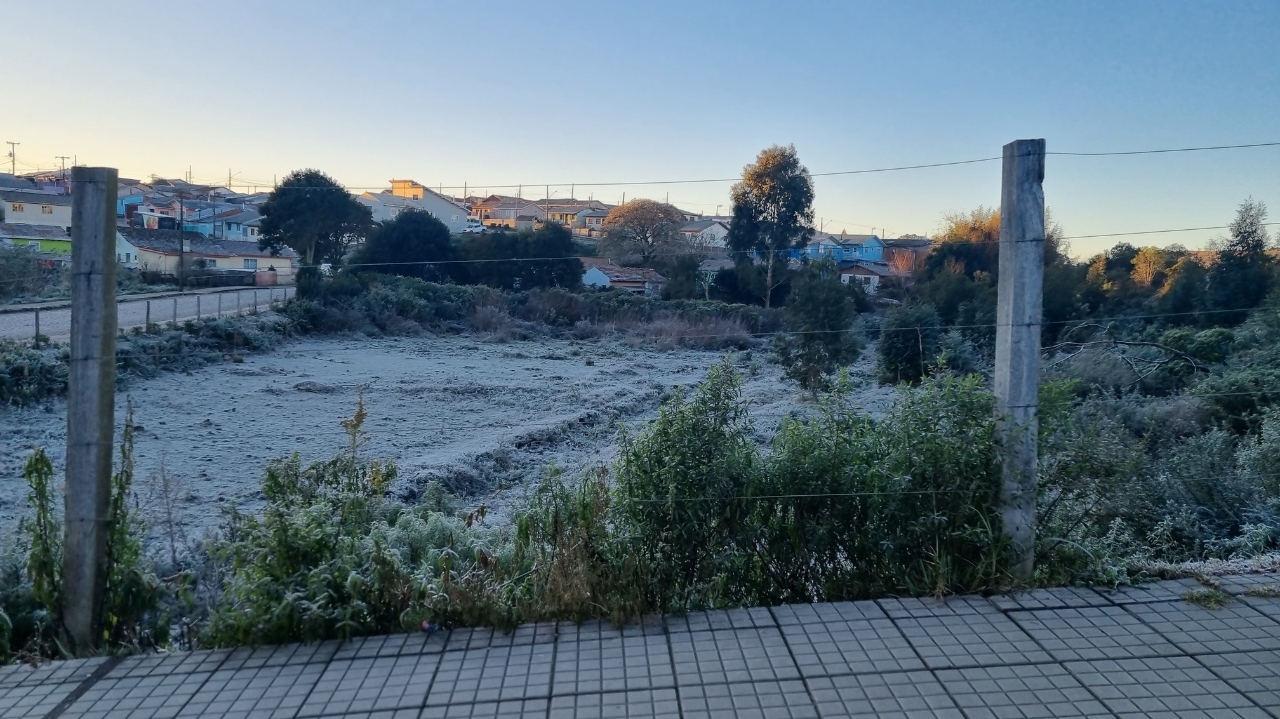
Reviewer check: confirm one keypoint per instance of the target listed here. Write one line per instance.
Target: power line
(1166, 150)
(897, 168)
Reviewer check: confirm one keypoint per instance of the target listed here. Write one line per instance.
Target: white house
(386, 206)
(602, 272)
(35, 207)
(706, 233)
(867, 274)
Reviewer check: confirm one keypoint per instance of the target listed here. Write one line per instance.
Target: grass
(1208, 597)
(1266, 591)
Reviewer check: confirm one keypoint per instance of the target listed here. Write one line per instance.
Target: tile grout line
(431, 683)
(804, 682)
(923, 662)
(555, 653)
(1062, 664)
(84, 686)
(671, 656)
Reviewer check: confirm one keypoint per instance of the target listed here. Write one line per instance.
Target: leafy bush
(821, 312)
(908, 343)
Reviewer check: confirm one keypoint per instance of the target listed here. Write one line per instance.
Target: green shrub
(908, 343)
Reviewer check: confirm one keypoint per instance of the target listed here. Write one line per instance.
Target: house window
(250, 264)
(19, 207)
(46, 209)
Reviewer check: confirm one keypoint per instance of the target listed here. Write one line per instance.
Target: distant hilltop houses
(222, 228)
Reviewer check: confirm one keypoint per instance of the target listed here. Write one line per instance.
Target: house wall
(34, 212)
(453, 216)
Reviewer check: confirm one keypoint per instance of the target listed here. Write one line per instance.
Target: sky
(536, 93)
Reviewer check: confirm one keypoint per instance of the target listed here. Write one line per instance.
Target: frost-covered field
(484, 418)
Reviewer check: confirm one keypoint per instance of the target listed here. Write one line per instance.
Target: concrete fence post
(1017, 367)
(175, 311)
(90, 404)
(197, 307)
(36, 344)
(148, 323)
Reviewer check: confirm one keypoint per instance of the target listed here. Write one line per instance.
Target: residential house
(602, 272)
(386, 206)
(868, 274)
(843, 248)
(706, 233)
(14, 182)
(160, 251)
(592, 222)
(128, 198)
(570, 212)
(53, 244)
(35, 207)
(502, 211)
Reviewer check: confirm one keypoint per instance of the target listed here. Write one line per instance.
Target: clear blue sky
(526, 92)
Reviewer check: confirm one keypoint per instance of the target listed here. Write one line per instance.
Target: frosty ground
(483, 418)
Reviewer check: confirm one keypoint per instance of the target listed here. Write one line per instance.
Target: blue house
(843, 248)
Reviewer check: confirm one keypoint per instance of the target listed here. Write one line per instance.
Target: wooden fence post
(1017, 367)
(91, 387)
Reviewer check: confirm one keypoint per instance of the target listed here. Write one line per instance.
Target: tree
(772, 210)
(315, 216)
(407, 245)
(1148, 263)
(821, 311)
(1241, 277)
(540, 250)
(1183, 291)
(641, 229)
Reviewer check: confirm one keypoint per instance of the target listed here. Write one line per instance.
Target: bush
(821, 312)
(908, 345)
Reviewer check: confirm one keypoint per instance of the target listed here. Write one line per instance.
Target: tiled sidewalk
(1141, 652)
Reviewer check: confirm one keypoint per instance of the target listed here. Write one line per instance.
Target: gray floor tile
(731, 655)
(391, 645)
(904, 695)
(1053, 598)
(175, 663)
(32, 700)
(827, 612)
(387, 714)
(612, 664)
(1093, 633)
(1197, 630)
(515, 708)
(752, 700)
(856, 646)
(1169, 590)
(371, 684)
(907, 607)
(656, 703)
(1254, 674)
(145, 696)
(1162, 687)
(1269, 606)
(274, 691)
(740, 618)
(1029, 690)
(465, 638)
(970, 640)
(1268, 583)
(652, 625)
(71, 670)
(493, 675)
(542, 633)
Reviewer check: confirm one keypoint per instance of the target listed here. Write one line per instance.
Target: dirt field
(475, 415)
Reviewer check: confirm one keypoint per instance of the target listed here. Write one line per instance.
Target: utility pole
(1020, 296)
(182, 244)
(64, 159)
(13, 156)
(91, 386)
